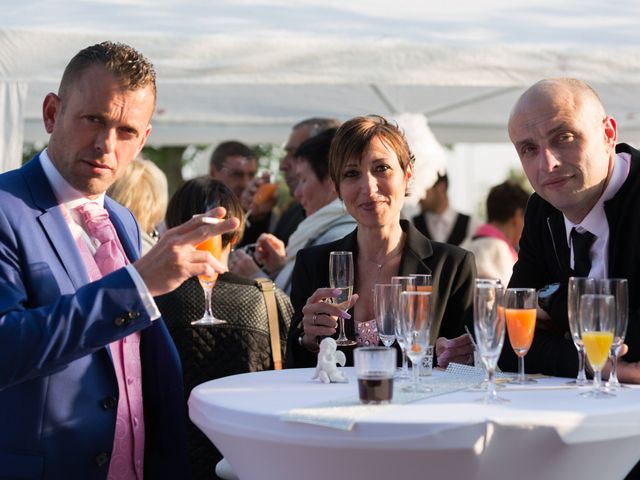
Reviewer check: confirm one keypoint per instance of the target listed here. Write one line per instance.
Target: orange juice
(214, 246)
(597, 345)
(521, 323)
(264, 193)
(424, 288)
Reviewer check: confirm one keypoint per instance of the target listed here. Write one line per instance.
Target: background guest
(326, 218)
(239, 346)
(262, 216)
(370, 165)
(439, 221)
(143, 189)
(494, 243)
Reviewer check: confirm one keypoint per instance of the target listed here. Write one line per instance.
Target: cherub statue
(328, 356)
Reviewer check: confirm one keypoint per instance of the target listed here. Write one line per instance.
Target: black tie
(581, 243)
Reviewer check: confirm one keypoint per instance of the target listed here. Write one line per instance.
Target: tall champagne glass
(384, 305)
(494, 283)
(618, 287)
(406, 284)
(212, 245)
(341, 277)
(597, 324)
(520, 313)
(424, 284)
(488, 323)
(416, 316)
(577, 287)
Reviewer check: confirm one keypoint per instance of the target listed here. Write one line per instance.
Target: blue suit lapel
(54, 225)
(126, 237)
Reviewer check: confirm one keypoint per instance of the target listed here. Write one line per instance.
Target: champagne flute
(213, 245)
(495, 283)
(406, 283)
(597, 324)
(577, 287)
(424, 284)
(341, 277)
(618, 287)
(488, 323)
(385, 310)
(520, 313)
(416, 315)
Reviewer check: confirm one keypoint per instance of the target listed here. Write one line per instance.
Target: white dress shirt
(596, 220)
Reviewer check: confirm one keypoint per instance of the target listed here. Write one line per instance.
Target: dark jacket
(544, 259)
(452, 268)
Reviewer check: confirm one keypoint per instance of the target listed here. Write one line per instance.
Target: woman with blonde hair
(143, 189)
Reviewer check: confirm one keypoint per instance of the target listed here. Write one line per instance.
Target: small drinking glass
(341, 277)
(384, 304)
(577, 287)
(416, 316)
(488, 323)
(405, 283)
(520, 312)
(212, 245)
(374, 368)
(423, 282)
(618, 287)
(597, 324)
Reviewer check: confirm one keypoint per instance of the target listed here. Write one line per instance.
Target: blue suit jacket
(57, 382)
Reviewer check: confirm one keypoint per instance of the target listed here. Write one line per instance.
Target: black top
(452, 268)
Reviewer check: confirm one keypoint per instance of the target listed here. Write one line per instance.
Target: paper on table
(344, 413)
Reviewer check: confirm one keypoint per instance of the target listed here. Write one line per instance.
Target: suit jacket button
(109, 402)
(102, 459)
(119, 321)
(134, 314)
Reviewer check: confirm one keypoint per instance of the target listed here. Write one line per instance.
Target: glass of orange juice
(597, 325)
(212, 245)
(520, 312)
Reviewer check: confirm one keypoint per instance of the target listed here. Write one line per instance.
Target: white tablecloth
(544, 432)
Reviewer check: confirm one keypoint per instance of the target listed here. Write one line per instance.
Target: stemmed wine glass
(597, 324)
(424, 284)
(213, 245)
(341, 277)
(577, 287)
(416, 316)
(488, 323)
(520, 312)
(384, 304)
(618, 287)
(405, 283)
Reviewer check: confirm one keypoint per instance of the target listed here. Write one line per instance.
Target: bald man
(583, 182)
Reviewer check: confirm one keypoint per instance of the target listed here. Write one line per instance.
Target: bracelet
(301, 343)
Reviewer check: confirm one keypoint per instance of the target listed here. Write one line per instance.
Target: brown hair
(353, 138)
(123, 61)
(143, 189)
(199, 195)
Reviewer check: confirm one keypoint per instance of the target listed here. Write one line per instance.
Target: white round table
(544, 432)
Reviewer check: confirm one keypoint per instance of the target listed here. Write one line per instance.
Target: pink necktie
(127, 455)
(109, 256)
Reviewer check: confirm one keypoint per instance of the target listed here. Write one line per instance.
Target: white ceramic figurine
(328, 356)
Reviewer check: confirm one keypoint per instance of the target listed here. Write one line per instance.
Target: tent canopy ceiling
(249, 69)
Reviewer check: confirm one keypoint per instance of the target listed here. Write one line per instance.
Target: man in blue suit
(60, 394)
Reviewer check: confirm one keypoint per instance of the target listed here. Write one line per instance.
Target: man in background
(234, 164)
(439, 221)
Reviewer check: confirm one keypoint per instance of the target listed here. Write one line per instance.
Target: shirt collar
(596, 220)
(63, 191)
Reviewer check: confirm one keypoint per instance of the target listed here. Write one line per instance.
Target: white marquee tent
(249, 69)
